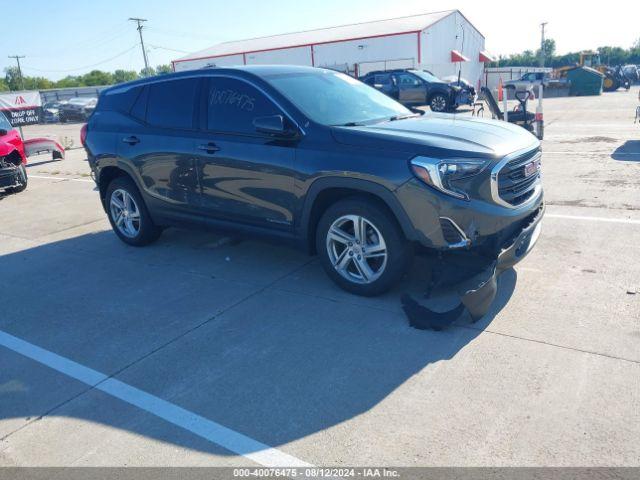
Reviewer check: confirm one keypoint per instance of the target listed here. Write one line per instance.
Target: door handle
(209, 147)
(131, 140)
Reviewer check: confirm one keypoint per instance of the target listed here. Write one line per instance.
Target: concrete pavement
(254, 337)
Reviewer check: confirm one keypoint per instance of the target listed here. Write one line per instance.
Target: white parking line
(593, 219)
(203, 427)
(62, 178)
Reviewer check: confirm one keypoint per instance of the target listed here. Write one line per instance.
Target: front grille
(514, 187)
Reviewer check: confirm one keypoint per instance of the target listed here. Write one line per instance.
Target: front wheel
(361, 247)
(128, 214)
(438, 103)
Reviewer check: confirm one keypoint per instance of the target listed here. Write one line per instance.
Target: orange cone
(500, 89)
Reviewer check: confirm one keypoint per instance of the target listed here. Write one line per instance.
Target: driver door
(245, 176)
(411, 89)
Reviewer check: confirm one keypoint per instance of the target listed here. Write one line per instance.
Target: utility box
(585, 81)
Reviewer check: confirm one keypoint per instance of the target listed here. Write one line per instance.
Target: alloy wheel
(125, 213)
(438, 103)
(356, 249)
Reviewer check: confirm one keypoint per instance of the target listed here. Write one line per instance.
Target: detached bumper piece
(478, 298)
(478, 292)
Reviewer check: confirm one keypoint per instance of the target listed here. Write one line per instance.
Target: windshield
(4, 123)
(425, 76)
(332, 98)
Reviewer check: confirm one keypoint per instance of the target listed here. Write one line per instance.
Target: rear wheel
(128, 214)
(361, 247)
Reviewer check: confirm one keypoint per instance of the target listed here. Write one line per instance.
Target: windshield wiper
(402, 117)
(349, 124)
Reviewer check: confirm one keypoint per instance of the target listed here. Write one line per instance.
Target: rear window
(171, 103)
(121, 101)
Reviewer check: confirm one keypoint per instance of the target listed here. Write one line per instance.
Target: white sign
(21, 108)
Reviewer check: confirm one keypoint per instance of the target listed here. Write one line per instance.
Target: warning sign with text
(21, 108)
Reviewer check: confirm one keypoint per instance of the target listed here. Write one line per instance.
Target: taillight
(83, 135)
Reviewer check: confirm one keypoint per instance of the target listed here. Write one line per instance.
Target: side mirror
(3, 132)
(272, 125)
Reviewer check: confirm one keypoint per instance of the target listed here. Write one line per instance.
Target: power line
(139, 21)
(18, 57)
(135, 45)
(167, 48)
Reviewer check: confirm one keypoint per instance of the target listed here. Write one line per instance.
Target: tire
(132, 224)
(438, 103)
(384, 271)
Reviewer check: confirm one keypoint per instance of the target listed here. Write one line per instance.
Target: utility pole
(144, 52)
(542, 52)
(18, 57)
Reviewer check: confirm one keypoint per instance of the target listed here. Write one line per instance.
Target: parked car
(51, 112)
(314, 158)
(529, 79)
(632, 72)
(78, 109)
(13, 174)
(414, 88)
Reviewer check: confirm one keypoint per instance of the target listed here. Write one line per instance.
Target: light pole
(139, 21)
(542, 52)
(18, 57)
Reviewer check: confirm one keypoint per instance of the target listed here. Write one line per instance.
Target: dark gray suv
(415, 88)
(314, 158)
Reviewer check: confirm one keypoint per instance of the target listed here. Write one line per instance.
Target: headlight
(440, 174)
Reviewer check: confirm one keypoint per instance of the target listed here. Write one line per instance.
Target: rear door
(161, 147)
(245, 176)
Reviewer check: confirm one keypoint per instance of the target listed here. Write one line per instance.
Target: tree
(3, 85)
(69, 81)
(549, 49)
(12, 78)
(120, 76)
(163, 69)
(148, 72)
(97, 78)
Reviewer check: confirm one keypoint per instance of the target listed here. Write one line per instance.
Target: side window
(407, 80)
(139, 109)
(170, 103)
(233, 104)
(382, 79)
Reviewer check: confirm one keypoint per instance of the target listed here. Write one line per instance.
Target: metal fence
(492, 75)
(68, 93)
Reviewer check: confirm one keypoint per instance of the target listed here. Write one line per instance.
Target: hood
(444, 134)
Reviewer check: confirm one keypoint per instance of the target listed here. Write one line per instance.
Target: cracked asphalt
(253, 337)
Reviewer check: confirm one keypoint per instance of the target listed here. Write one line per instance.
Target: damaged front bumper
(478, 293)
(9, 176)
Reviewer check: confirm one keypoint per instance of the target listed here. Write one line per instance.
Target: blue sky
(64, 37)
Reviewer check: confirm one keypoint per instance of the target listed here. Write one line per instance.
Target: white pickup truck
(529, 79)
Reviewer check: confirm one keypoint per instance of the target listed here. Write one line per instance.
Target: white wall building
(431, 41)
